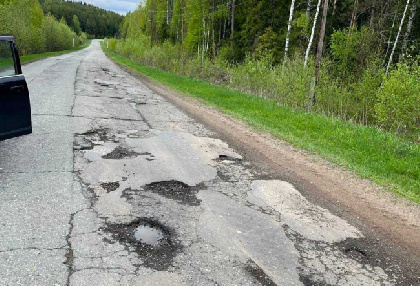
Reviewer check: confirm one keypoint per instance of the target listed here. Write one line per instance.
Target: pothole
(354, 252)
(151, 240)
(95, 134)
(80, 143)
(121, 153)
(175, 190)
(110, 186)
(255, 271)
(224, 157)
(148, 235)
(87, 140)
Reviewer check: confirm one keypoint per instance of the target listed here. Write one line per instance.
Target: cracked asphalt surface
(108, 155)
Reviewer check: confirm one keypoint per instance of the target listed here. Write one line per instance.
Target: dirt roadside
(390, 223)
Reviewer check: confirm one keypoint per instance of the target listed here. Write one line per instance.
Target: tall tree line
(34, 31)
(279, 27)
(81, 16)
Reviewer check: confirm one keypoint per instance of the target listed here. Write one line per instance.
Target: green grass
(36, 57)
(387, 159)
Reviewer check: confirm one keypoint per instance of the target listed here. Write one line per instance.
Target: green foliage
(34, 32)
(291, 84)
(76, 25)
(398, 106)
(90, 19)
(352, 51)
(267, 45)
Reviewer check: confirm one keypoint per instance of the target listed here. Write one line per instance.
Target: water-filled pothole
(175, 190)
(152, 241)
(148, 235)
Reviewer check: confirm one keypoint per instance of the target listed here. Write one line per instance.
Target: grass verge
(35, 57)
(383, 157)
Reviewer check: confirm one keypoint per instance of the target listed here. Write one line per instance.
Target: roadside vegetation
(34, 31)
(340, 78)
(384, 157)
(348, 59)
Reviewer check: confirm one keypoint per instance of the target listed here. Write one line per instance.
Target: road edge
(390, 218)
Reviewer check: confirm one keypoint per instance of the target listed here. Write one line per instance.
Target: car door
(15, 109)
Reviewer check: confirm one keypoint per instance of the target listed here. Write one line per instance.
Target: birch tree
(398, 36)
(308, 9)
(289, 28)
(320, 44)
(312, 33)
(408, 31)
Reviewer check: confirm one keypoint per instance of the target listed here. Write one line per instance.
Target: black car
(15, 108)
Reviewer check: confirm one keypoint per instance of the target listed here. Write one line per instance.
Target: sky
(119, 6)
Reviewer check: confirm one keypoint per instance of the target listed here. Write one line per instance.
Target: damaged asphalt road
(119, 187)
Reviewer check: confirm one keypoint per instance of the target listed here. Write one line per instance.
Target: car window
(7, 66)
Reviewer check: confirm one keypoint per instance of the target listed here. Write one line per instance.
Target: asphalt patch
(255, 271)
(111, 186)
(175, 190)
(140, 235)
(121, 153)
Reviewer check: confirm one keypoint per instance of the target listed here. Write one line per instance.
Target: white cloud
(119, 6)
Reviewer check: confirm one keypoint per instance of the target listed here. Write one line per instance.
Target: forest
(357, 60)
(34, 31)
(80, 16)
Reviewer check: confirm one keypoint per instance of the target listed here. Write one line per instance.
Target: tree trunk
(308, 10)
(398, 36)
(182, 22)
(289, 28)
(354, 14)
(220, 31)
(204, 38)
(372, 16)
(167, 12)
(320, 46)
(408, 31)
(151, 29)
(232, 23)
(334, 8)
(389, 41)
(213, 44)
(312, 33)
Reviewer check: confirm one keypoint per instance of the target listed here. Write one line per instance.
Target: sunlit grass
(383, 157)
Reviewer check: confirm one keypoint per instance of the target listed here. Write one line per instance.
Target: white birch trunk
(312, 33)
(308, 9)
(389, 41)
(289, 28)
(408, 31)
(398, 36)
